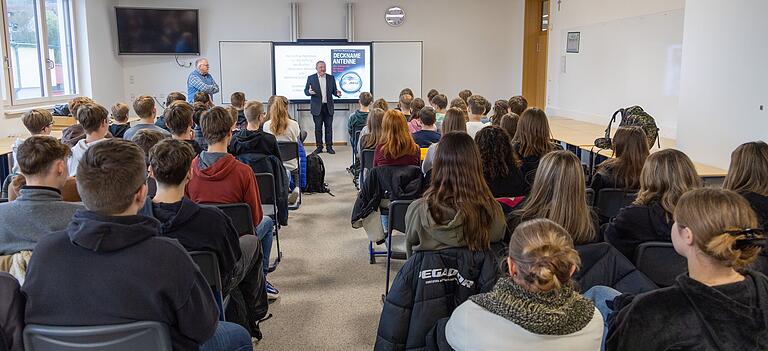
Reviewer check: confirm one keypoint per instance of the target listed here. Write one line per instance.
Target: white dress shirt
(322, 88)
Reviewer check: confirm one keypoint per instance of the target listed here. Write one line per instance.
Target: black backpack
(316, 175)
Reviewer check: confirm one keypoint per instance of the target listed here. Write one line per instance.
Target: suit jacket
(316, 101)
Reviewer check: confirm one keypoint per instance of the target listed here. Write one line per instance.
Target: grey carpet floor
(330, 296)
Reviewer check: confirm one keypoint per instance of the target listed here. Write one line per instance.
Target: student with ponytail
(283, 127)
(535, 306)
(720, 304)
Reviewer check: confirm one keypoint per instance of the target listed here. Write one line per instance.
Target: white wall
(629, 54)
(724, 79)
(467, 44)
(100, 70)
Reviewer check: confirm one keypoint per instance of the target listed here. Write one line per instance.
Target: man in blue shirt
(201, 80)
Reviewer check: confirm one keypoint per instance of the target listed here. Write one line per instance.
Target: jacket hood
(101, 233)
(450, 233)
(215, 172)
(715, 309)
(660, 220)
(170, 221)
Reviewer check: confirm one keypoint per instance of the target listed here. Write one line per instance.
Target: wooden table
(583, 134)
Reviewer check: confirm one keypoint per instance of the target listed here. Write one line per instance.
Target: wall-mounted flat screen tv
(155, 31)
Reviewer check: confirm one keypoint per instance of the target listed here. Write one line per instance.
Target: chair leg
(389, 260)
(371, 253)
(279, 257)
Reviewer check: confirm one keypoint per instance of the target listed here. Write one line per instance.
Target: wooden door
(535, 52)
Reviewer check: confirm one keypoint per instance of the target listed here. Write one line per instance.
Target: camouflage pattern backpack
(631, 116)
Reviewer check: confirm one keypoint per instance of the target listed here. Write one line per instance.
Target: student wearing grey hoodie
(458, 209)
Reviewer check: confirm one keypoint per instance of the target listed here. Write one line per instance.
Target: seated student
(38, 122)
(95, 121)
(630, 148)
(559, 194)
(509, 124)
(11, 314)
(500, 108)
(234, 113)
(534, 306)
(234, 181)
(430, 94)
(40, 208)
(74, 133)
(720, 304)
(205, 228)
(465, 94)
(68, 191)
(532, 141)
(501, 166)
(359, 119)
(475, 110)
(458, 103)
(284, 128)
(203, 98)
(381, 104)
(455, 121)
(396, 147)
(440, 103)
(414, 125)
(146, 139)
(517, 105)
(404, 91)
(178, 119)
(666, 175)
(417, 104)
(237, 99)
(404, 105)
(198, 109)
(252, 139)
(428, 134)
(119, 124)
(170, 99)
(144, 106)
(370, 136)
(458, 209)
(748, 176)
(110, 237)
(485, 119)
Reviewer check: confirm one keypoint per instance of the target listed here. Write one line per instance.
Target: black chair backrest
(611, 200)
(208, 264)
(267, 191)
(397, 210)
(660, 262)
(3, 200)
(144, 335)
(367, 156)
(289, 150)
(241, 216)
(590, 197)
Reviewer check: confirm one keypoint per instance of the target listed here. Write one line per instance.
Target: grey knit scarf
(556, 312)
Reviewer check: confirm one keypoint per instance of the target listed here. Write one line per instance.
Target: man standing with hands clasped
(321, 88)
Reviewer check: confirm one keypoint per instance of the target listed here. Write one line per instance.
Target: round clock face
(395, 16)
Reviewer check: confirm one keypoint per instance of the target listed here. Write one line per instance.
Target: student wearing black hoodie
(666, 175)
(253, 139)
(718, 305)
(206, 228)
(110, 266)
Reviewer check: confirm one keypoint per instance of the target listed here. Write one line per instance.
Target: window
(38, 51)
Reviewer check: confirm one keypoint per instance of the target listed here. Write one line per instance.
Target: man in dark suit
(321, 88)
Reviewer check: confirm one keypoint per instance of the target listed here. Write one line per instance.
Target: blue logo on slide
(351, 82)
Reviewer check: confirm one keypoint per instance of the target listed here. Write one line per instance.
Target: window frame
(10, 100)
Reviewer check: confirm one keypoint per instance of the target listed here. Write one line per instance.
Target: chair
(590, 197)
(353, 143)
(144, 335)
(268, 195)
(208, 264)
(367, 164)
(241, 217)
(397, 210)
(289, 150)
(611, 200)
(660, 262)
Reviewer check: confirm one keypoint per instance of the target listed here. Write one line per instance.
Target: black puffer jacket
(387, 182)
(261, 163)
(429, 287)
(637, 224)
(602, 264)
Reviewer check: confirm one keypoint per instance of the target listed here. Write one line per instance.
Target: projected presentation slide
(349, 63)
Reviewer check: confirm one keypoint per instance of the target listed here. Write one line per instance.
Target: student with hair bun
(719, 304)
(535, 306)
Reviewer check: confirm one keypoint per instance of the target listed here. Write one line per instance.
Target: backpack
(316, 175)
(631, 116)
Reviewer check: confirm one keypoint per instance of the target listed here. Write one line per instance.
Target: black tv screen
(148, 31)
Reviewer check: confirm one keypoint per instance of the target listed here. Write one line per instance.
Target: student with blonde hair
(397, 147)
(534, 306)
(666, 176)
(720, 304)
(283, 127)
(455, 121)
(458, 209)
(748, 176)
(500, 108)
(533, 140)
